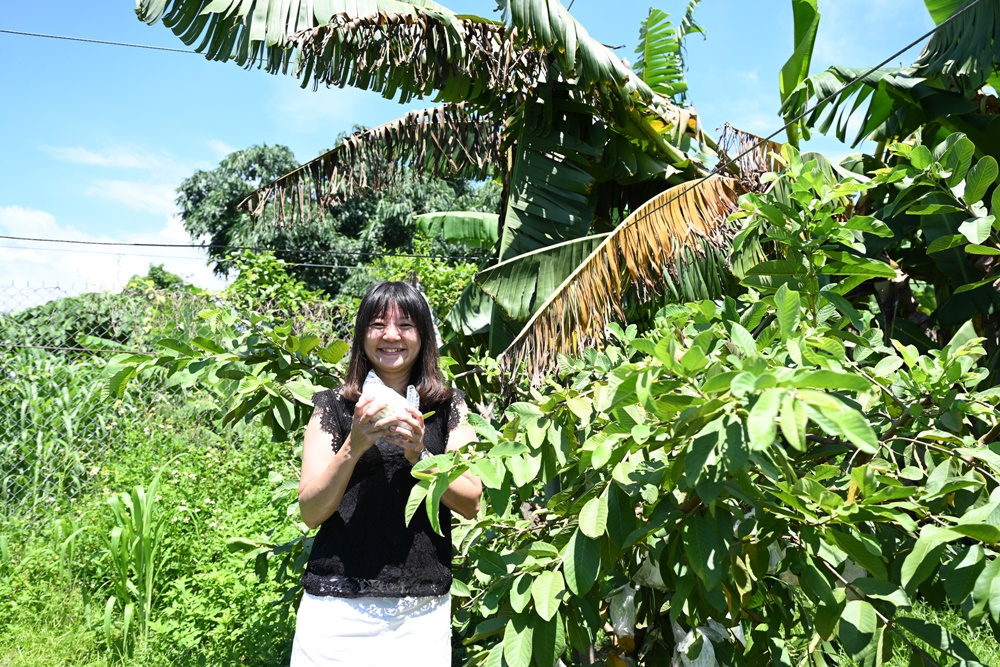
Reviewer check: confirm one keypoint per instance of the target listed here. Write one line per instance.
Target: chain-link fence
(58, 424)
(59, 420)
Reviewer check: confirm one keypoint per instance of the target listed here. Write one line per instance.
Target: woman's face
(392, 343)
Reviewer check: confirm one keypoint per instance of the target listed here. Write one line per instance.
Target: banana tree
(578, 140)
(940, 93)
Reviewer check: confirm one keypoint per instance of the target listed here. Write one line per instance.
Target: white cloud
(220, 148)
(26, 222)
(154, 193)
(175, 230)
(150, 197)
(112, 157)
(28, 266)
(161, 164)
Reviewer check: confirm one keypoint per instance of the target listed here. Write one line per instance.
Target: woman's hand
(366, 427)
(407, 431)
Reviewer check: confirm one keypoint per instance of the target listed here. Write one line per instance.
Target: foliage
(75, 326)
(68, 447)
(941, 93)
(208, 202)
(46, 441)
(208, 199)
(935, 201)
(932, 120)
(796, 69)
(56, 573)
(764, 479)
(660, 61)
(159, 278)
(69, 322)
(282, 562)
(321, 255)
(263, 283)
(768, 479)
(258, 362)
(397, 246)
(671, 246)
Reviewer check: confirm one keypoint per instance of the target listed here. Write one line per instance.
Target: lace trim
(330, 403)
(459, 412)
(352, 587)
(387, 609)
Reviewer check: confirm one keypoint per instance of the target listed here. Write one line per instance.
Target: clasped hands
(405, 429)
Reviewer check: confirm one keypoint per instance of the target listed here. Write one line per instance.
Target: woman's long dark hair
(425, 374)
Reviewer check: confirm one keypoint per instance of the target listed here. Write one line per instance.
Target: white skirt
(372, 632)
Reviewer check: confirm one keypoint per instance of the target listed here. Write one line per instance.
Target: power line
(96, 252)
(303, 251)
(95, 41)
(175, 257)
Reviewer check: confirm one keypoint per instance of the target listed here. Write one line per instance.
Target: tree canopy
(330, 253)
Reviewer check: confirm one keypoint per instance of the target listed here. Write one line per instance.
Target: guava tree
(762, 479)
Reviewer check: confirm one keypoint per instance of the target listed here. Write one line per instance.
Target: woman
(377, 590)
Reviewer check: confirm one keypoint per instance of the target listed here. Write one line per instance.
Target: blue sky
(96, 138)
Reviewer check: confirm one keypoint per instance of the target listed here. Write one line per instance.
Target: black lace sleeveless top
(365, 549)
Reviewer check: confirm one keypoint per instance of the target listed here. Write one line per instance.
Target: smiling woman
(377, 589)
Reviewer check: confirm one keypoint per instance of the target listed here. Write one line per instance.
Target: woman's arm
(325, 473)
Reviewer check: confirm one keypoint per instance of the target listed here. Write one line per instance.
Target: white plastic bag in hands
(374, 388)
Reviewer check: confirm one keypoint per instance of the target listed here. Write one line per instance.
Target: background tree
(159, 278)
(329, 253)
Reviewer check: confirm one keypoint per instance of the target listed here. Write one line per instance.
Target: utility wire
(718, 168)
(95, 41)
(175, 257)
(303, 251)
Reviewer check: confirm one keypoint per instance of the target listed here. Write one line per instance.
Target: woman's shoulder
(331, 399)
(458, 409)
(334, 413)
